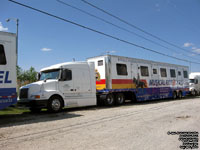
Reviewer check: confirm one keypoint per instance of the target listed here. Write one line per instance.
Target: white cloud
(46, 49)
(157, 7)
(187, 44)
(3, 28)
(197, 50)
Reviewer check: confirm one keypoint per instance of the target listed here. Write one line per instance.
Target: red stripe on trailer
(122, 81)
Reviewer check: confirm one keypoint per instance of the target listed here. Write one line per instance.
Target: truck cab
(69, 84)
(194, 84)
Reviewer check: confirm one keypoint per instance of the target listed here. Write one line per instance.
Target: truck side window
(163, 72)
(2, 55)
(144, 71)
(172, 73)
(121, 69)
(100, 63)
(66, 75)
(185, 74)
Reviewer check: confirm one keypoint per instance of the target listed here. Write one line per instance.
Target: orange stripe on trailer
(123, 86)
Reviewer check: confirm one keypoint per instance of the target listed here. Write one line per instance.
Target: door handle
(72, 89)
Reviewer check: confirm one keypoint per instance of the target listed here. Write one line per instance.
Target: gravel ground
(130, 127)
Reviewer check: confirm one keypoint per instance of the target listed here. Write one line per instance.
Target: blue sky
(44, 40)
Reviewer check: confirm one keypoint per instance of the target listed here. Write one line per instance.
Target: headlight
(35, 96)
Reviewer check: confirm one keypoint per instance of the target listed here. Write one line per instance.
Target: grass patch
(13, 111)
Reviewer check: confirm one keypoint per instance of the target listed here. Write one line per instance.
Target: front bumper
(32, 103)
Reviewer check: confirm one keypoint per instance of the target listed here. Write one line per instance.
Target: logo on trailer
(4, 77)
(98, 77)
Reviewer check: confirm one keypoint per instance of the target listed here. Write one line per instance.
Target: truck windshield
(50, 74)
(191, 80)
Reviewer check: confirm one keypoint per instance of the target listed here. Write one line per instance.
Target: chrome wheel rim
(56, 104)
(110, 100)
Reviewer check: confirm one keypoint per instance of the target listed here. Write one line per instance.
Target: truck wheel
(174, 96)
(55, 104)
(109, 101)
(119, 99)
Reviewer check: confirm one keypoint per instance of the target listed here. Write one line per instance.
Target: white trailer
(117, 78)
(194, 85)
(8, 95)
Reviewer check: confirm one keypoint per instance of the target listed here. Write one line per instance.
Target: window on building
(2, 55)
(179, 73)
(144, 71)
(185, 74)
(122, 69)
(172, 73)
(100, 63)
(163, 72)
(154, 71)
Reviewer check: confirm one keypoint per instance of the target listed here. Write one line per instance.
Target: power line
(102, 33)
(122, 28)
(138, 28)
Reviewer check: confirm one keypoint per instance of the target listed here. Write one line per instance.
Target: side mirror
(196, 81)
(38, 76)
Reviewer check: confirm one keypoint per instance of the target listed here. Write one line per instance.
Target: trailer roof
(138, 60)
(57, 66)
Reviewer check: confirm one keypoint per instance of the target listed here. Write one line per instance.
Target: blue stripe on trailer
(8, 96)
(143, 94)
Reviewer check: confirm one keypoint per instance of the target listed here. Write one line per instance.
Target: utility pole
(17, 26)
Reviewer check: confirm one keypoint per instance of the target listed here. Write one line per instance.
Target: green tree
(26, 76)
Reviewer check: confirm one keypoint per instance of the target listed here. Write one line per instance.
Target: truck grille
(23, 93)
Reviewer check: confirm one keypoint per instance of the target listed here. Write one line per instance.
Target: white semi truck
(194, 85)
(106, 79)
(8, 95)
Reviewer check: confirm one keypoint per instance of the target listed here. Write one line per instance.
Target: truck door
(82, 86)
(66, 87)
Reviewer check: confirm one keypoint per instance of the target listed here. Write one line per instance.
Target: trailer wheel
(119, 99)
(54, 104)
(180, 95)
(174, 96)
(109, 101)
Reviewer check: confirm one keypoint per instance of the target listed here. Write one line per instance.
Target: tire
(109, 101)
(55, 104)
(133, 99)
(180, 95)
(174, 96)
(119, 99)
